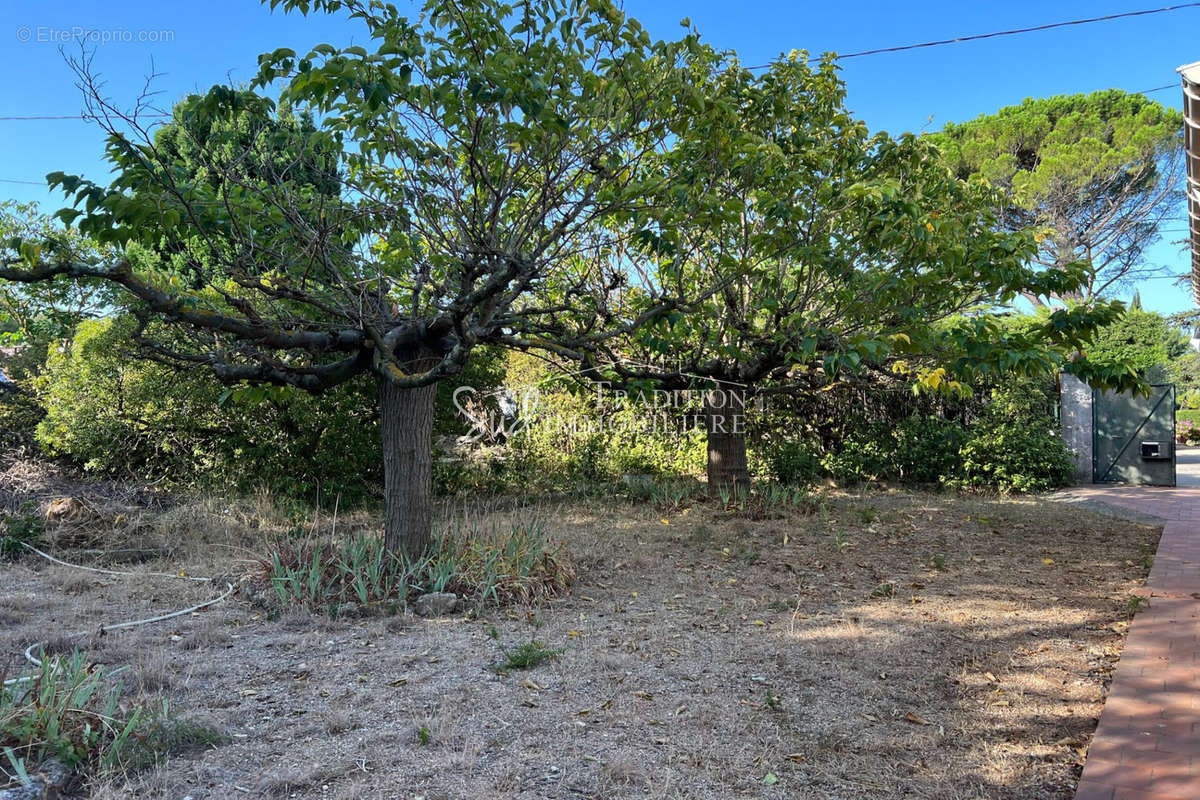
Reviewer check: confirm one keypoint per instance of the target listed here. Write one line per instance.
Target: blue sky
(192, 45)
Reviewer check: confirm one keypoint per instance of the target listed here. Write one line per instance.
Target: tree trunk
(725, 425)
(406, 422)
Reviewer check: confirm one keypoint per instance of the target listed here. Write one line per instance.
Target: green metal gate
(1133, 437)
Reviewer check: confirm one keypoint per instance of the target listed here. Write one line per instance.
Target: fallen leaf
(643, 695)
(399, 682)
(914, 719)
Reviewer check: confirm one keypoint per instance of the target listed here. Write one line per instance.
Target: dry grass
(703, 652)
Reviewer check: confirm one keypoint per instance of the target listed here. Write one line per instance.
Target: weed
(884, 590)
(672, 495)
(1135, 603)
(66, 712)
(160, 733)
(516, 564)
(423, 735)
(938, 562)
(868, 514)
(840, 542)
(766, 500)
(527, 655)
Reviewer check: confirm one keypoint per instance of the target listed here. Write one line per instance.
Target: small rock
(436, 604)
(45, 784)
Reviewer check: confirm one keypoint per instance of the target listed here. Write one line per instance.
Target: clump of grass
(673, 495)
(67, 712)
(518, 563)
(513, 564)
(526, 655)
(884, 590)
(766, 500)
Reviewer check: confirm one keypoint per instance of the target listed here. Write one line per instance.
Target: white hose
(49, 557)
(117, 625)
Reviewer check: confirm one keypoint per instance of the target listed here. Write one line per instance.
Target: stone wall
(1075, 415)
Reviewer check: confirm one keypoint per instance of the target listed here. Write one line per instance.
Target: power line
(994, 34)
(84, 117)
(839, 57)
(1158, 89)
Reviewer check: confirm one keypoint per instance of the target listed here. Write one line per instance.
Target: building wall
(1075, 415)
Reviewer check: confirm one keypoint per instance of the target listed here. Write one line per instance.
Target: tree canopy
(1144, 340)
(1097, 174)
(840, 255)
(475, 150)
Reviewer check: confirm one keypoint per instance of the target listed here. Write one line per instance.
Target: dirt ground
(891, 645)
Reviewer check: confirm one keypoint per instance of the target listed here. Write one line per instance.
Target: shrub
(1187, 415)
(867, 454)
(121, 415)
(19, 529)
(927, 449)
(1015, 445)
(793, 462)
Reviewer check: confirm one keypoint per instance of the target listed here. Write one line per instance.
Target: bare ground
(704, 655)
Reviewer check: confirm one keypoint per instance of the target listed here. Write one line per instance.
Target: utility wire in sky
(994, 34)
(840, 57)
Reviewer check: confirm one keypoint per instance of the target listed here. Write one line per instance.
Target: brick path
(1147, 746)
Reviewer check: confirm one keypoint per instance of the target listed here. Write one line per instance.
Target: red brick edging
(1147, 745)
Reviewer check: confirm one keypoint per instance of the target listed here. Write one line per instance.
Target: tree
(1144, 340)
(33, 315)
(1098, 174)
(476, 152)
(842, 256)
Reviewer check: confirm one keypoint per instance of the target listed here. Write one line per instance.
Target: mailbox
(1156, 451)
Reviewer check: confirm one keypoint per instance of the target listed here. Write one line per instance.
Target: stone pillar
(1075, 416)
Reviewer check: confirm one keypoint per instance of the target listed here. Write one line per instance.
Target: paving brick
(1147, 745)
(1089, 790)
